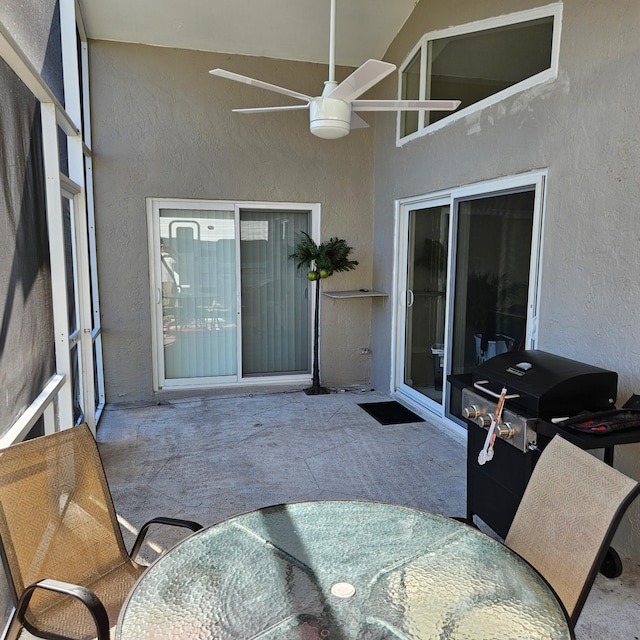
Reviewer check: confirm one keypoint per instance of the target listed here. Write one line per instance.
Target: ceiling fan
(332, 114)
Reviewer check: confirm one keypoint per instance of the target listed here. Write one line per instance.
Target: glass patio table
(341, 570)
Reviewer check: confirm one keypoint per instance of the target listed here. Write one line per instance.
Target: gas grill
(537, 390)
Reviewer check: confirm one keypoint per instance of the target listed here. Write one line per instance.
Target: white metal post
(332, 42)
(55, 227)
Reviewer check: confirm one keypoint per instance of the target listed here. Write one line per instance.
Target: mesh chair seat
(57, 522)
(567, 517)
(70, 618)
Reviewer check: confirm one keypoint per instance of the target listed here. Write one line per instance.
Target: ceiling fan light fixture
(329, 118)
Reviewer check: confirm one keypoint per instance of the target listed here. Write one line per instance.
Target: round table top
(341, 570)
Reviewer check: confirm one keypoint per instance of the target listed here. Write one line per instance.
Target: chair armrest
(173, 522)
(86, 596)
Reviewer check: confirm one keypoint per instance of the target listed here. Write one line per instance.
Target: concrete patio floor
(213, 457)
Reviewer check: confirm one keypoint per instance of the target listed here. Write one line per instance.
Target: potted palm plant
(322, 260)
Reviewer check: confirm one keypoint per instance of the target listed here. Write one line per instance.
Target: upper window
(478, 64)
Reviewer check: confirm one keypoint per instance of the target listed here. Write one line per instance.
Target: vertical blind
(275, 308)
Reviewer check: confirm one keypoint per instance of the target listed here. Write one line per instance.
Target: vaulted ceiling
(286, 29)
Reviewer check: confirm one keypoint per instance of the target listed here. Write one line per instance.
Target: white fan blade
(289, 107)
(362, 79)
(258, 83)
(405, 105)
(357, 122)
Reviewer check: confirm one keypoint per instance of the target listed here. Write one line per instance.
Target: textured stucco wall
(584, 128)
(162, 126)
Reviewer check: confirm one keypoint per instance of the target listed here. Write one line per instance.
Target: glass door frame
(399, 390)
(154, 205)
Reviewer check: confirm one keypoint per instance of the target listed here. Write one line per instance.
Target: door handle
(410, 298)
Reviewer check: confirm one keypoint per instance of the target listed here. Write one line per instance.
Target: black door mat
(390, 412)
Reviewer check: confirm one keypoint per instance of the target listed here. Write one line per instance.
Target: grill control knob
(472, 412)
(506, 431)
(484, 421)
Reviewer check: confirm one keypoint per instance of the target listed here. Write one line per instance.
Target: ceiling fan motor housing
(330, 118)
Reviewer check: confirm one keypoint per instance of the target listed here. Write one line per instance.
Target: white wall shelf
(357, 293)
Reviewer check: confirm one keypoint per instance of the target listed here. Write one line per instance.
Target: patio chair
(62, 547)
(566, 520)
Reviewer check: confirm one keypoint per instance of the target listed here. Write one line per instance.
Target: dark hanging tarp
(26, 320)
(35, 26)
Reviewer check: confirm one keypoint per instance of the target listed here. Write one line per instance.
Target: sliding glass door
(467, 287)
(230, 305)
(427, 253)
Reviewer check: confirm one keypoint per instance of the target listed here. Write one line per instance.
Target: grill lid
(549, 386)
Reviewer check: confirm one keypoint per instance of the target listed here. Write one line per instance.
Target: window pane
(81, 83)
(491, 285)
(98, 376)
(473, 66)
(91, 244)
(69, 250)
(275, 309)
(410, 91)
(76, 384)
(427, 281)
(63, 152)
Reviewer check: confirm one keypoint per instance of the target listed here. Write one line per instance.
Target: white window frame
(552, 10)
(94, 381)
(154, 205)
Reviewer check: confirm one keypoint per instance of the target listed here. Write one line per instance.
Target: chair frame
(18, 621)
